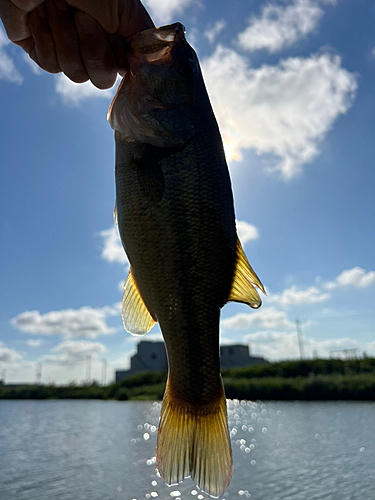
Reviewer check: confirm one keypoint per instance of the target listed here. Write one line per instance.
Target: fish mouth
(155, 45)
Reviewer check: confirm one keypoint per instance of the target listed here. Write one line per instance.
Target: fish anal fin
(193, 440)
(244, 281)
(136, 317)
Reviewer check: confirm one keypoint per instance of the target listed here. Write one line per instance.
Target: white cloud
(8, 70)
(8, 355)
(285, 110)
(35, 342)
(268, 318)
(73, 351)
(165, 11)
(275, 345)
(113, 250)
(214, 30)
(246, 232)
(151, 337)
(296, 296)
(73, 93)
(280, 26)
(356, 277)
(85, 322)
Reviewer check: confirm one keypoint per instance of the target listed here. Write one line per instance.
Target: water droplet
(247, 450)
(153, 428)
(154, 494)
(251, 429)
(244, 427)
(253, 462)
(317, 436)
(133, 440)
(194, 492)
(241, 492)
(254, 415)
(139, 427)
(362, 449)
(146, 436)
(243, 403)
(147, 495)
(200, 497)
(175, 493)
(154, 483)
(119, 488)
(264, 430)
(242, 447)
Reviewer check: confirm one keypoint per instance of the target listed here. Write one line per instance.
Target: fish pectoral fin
(193, 440)
(136, 317)
(244, 281)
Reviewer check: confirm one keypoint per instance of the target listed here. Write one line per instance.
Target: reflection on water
(80, 450)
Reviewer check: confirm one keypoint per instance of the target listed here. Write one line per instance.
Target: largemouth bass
(176, 221)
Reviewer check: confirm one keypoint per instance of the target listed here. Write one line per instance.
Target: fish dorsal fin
(244, 281)
(136, 317)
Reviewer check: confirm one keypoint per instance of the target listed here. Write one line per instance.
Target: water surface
(105, 450)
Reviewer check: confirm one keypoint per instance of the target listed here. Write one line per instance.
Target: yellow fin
(194, 441)
(136, 317)
(244, 280)
(115, 214)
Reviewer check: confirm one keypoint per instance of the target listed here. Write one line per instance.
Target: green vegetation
(313, 379)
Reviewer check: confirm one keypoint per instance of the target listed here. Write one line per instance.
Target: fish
(175, 215)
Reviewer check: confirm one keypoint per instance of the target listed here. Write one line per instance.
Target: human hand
(83, 38)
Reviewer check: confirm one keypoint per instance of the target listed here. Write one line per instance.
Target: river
(105, 450)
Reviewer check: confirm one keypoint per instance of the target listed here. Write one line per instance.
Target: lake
(105, 450)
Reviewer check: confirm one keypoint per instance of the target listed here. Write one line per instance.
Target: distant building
(152, 356)
(237, 355)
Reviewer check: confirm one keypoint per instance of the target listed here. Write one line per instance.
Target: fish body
(176, 220)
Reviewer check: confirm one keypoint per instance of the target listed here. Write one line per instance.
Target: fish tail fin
(193, 440)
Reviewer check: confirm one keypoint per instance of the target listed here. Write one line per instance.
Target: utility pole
(88, 369)
(300, 339)
(39, 373)
(104, 371)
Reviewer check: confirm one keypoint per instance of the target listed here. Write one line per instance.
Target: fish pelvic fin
(193, 440)
(136, 317)
(244, 281)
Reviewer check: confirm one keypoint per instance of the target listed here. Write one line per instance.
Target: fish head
(157, 100)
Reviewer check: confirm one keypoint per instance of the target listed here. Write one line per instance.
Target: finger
(119, 48)
(14, 21)
(133, 18)
(43, 52)
(96, 52)
(27, 5)
(27, 44)
(65, 36)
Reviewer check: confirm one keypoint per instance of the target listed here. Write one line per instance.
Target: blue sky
(292, 85)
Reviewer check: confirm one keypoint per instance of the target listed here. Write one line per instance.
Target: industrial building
(152, 356)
